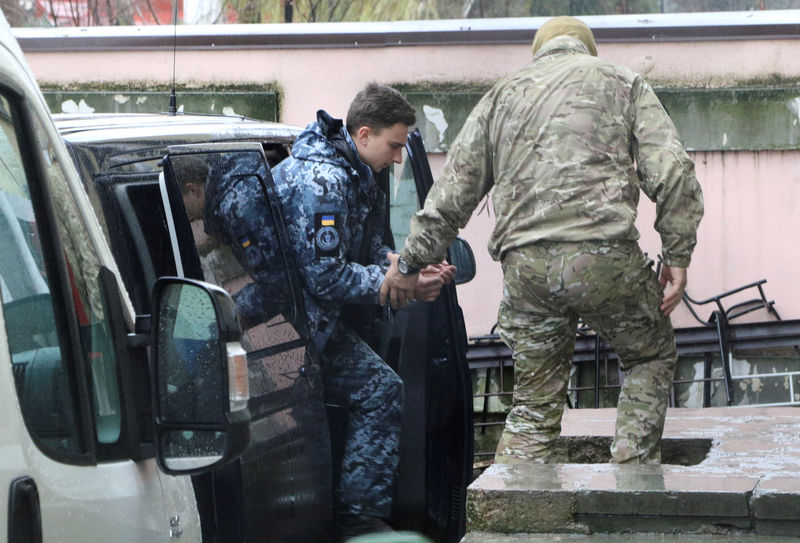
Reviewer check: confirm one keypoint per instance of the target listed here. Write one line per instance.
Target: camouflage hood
(327, 140)
(559, 27)
(222, 177)
(562, 44)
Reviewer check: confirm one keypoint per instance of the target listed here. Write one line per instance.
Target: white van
(86, 420)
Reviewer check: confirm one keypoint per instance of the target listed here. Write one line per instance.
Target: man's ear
(362, 135)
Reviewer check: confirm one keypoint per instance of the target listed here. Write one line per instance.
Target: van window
(241, 245)
(404, 201)
(47, 377)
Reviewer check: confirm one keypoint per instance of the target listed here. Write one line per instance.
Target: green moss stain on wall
(737, 119)
(708, 119)
(759, 115)
(256, 102)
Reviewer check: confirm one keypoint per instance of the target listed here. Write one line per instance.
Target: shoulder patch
(326, 235)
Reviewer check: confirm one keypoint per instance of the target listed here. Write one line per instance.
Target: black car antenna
(173, 100)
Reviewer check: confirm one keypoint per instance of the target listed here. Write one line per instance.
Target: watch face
(402, 266)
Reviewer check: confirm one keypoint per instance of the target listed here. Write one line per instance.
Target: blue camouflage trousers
(548, 286)
(358, 380)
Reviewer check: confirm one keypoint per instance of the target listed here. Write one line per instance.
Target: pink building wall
(751, 228)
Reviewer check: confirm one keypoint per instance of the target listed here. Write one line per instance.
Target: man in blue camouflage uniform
(335, 217)
(566, 144)
(230, 197)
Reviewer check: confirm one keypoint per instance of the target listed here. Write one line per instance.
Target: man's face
(380, 149)
(194, 199)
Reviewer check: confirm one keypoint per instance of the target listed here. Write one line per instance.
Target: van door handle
(24, 513)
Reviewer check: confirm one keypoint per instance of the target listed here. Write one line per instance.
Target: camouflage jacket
(566, 143)
(335, 216)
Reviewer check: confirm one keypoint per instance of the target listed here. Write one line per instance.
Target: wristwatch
(404, 268)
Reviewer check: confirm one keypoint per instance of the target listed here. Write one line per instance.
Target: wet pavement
(747, 483)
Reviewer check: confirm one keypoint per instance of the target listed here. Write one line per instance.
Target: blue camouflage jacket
(335, 218)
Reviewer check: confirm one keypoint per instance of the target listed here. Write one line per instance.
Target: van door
(281, 489)
(65, 448)
(426, 343)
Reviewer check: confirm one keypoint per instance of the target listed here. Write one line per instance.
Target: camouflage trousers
(548, 286)
(358, 380)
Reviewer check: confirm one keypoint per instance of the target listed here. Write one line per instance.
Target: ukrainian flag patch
(326, 236)
(244, 242)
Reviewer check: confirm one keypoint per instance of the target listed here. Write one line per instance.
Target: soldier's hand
(397, 289)
(447, 272)
(673, 280)
(429, 284)
(432, 279)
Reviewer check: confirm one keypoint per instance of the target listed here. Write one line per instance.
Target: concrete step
(748, 482)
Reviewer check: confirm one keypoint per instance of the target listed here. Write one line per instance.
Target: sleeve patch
(326, 235)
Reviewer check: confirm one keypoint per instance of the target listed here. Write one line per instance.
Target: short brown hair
(379, 107)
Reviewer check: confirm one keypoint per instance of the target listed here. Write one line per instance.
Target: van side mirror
(461, 256)
(199, 377)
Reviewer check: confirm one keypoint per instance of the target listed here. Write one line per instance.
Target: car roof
(110, 127)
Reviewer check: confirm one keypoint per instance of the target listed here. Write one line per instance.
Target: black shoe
(349, 526)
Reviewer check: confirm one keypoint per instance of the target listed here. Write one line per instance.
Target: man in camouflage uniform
(566, 143)
(233, 204)
(335, 217)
